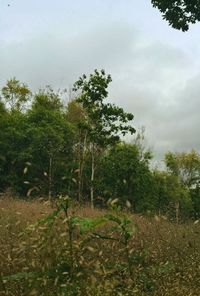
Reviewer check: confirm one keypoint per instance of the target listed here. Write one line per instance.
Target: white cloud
(151, 79)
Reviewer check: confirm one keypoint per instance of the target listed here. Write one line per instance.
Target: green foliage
(169, 192)
(75, 113)
(36, 144)
(184, 165)
(12, 138)
(48, 150)
(195, 197)
(125, 175)
(15, 94)
(103, 120)
(87, 224)
(179, 13)
(186, 168)
(52, 140)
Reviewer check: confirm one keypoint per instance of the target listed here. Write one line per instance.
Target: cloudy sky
(155, 69)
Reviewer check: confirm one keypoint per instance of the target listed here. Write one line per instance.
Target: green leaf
(88, 224)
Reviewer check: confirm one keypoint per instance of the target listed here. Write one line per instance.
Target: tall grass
(84, 251)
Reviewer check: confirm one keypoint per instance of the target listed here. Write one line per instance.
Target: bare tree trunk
(92, 179)
(50, 180)
(177, 206)
(79, 172)
(81, 166)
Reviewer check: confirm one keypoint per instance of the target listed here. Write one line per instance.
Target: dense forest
(49, 148)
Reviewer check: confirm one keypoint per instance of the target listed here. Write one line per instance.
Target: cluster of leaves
(179, 13)
(102, 118)
(36, 142)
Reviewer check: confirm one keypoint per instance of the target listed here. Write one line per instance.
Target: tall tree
(51, 141)
(13, 139)
(104, 122)
(76, 116)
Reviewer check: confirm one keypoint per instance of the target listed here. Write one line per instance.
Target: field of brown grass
(56, 256)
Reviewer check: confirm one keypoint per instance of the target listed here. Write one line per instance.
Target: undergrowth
(79, 251)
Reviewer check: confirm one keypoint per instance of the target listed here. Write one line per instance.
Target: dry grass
(165, 257)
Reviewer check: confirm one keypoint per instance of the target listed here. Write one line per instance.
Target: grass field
(82, 251)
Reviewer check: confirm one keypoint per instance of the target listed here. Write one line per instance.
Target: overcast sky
(155, 69)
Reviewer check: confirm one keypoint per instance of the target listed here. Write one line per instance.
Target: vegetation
(56, 159)
(179, 13)
(49, 149)
(103, 121)
(84, 251)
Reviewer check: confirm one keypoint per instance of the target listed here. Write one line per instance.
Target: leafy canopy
(179, 13)
(15, 94)
(184, 165)
(104, 121)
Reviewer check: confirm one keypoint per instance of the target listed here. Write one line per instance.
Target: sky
(154, 68)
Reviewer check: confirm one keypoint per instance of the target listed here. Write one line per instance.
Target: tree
(13, 147)
(36, 147)
(139, 141)
(104, 122)
(3, 146)
(51, 142)
(75, 113)
(184, 165)
(171, 193)
(76, 116)
(179, 13)
(2, 109)
(126, 176)
(195, 196)
(15, 94)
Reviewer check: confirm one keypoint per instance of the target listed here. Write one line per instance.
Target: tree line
(48, 148)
